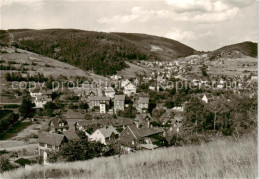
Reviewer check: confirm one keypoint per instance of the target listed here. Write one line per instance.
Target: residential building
(49, 142)
(110, 92)
(58, 125)
(142, 103)
(119, 103)
(96, 100)
(102, 108)
(129, 89)
(35, 92)
(133, 137)
(104, 135)
(207, 98)
(41, 100)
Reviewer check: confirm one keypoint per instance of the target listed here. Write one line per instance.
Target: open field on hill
(37, 63)
(133, 70)
(223, 158)
(233, 66)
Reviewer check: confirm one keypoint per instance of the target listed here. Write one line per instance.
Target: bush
(23, 162)
(5, 164)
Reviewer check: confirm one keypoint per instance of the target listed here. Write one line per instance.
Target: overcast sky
(201, 24)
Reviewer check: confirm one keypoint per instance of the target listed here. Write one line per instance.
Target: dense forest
(104, 53)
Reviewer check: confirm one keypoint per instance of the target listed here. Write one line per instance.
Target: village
(134, 113)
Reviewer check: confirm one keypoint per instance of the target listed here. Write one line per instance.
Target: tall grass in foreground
(219, 159)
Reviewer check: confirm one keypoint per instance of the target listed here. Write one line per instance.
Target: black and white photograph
(129, 89)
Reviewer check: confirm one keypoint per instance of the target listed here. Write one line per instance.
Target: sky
(201, 24)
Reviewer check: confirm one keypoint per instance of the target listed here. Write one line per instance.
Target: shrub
(23, 162)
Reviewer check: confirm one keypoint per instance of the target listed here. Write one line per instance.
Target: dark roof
(143, 116)
(122, 121)
(56, 121)
(120, 97)
(70, 114)
(144, 132)
(99, 98)
(51, 138)
(70, 134)
(84, 122)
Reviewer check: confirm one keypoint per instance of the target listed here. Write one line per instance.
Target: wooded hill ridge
(106, 53)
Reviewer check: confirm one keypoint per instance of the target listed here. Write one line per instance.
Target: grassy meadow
(223, 158)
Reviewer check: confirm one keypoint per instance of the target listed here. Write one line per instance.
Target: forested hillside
(105, 53)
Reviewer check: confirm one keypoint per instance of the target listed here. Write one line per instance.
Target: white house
(104, 135)
(110, 92)
(35, 92)
(124, 82)
(40, 101)
(129, 89)
(207, 98)
(102, 108)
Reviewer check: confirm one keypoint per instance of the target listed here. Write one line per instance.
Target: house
(102, 108)
(133, 137)
(104, 135)
(58, 125)
(143, 120)
(254, 77)
(110, 92)
(49, 142)
(124, 82)
(122, 122)
(207, 98)
(142, 103)
(129, 89)
(96, 100)
(47, 93)
(35, 92)
(73, 116)
(41, 100)
(220, 86)
(71, 135)
(119, 103)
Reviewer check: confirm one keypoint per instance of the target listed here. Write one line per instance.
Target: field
(41, 64)
(223, 158)
(233, 66)
(133, 71)
(15, 130)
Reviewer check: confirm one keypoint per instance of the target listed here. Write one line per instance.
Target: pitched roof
(107, 131)
(84, 122)
(70, 134)
(144, 132)
(50, 138)
(46, 92)
(109, 89)
(99, 98)
(56, 121)
(120, 97)
(143, 99)
(74, 114)
(122, 121)
(42, 98)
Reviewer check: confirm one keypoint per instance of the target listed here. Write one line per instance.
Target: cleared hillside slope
(219, 159)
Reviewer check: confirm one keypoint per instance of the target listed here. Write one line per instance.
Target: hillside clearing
(225, 158)
(133, 70)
